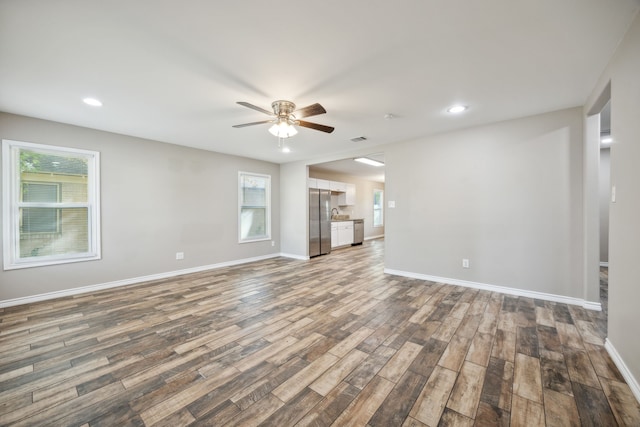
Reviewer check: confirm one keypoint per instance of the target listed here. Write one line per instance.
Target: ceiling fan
(285, 117)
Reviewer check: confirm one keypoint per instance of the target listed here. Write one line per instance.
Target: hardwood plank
(329, 408)
(362, 408)
(560, 410)
(593, 406)
(306, 376)
(527, 341)
(602, 363)
(555, 375)
(580, 368)
(465, 395)
(433, 398)
(569, 335)
(527, 381)
(623, 403)
(504, 345)
(400, 362)
(396, 406)
(544, 317)
(588, 332)
(336, 373)
(454, 354)
(480, 349)
(176, 402)
(256, 413)
(351, 342)
(488, 415)
(292, 412)
(525, 413)
(548, 339)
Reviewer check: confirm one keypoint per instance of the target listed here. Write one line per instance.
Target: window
(50, 205)
(40, 220)
(378, 202)
(254, 207)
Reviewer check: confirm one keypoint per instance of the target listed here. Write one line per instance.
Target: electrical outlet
(273, 243)
(179, 255)
(465, 263)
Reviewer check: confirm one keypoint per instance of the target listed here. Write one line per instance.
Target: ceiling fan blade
(252, 123)
(315, 126)
(255, 107)
(311, 110)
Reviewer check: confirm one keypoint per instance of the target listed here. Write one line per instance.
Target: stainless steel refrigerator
(319, 222)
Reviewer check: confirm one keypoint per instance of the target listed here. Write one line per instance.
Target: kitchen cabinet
(323, 184)
(344, 233)
(334, 235)
(339, 187)
(348, 198)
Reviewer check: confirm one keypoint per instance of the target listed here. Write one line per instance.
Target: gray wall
(507, 196)
(294, 209)
(157, 199)
(364, 199)
(624, 232)
(605, 196)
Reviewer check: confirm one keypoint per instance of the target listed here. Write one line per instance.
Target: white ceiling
(173, 71)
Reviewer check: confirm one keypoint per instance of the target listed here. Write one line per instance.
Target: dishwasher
(358, 231)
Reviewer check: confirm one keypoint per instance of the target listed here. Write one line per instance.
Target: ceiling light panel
(368, 161)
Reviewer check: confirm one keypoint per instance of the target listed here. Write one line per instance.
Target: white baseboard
(379, 236)
(622, 367)
(501, 289)
(604, 264)
(98, 287)
(590, 305)
(300, 257)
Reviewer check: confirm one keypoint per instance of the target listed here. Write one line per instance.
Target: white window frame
(267, 236)
(12, 202)
(375, 190)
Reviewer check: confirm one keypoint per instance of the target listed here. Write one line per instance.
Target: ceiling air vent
(359, 139)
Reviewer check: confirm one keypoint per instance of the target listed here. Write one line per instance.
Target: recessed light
(93, 102)
(368, 161)
(286, 150)
(456, 109)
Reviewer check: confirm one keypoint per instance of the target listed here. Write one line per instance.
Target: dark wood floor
(331, 341)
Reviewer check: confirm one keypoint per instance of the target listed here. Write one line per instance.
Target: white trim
(11, 205)
(590, 305)
(501, 289)
(379, 236)
(292, 256)
(267, 189)
(604, 264)
(135, 280)
(624, 370)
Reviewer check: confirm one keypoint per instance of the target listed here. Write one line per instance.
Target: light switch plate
(613, 194)
(391, 204)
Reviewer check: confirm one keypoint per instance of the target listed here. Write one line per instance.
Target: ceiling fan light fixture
(282, 130)
(368, 161)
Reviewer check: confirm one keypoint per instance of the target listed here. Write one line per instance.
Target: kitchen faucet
(335, 209)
